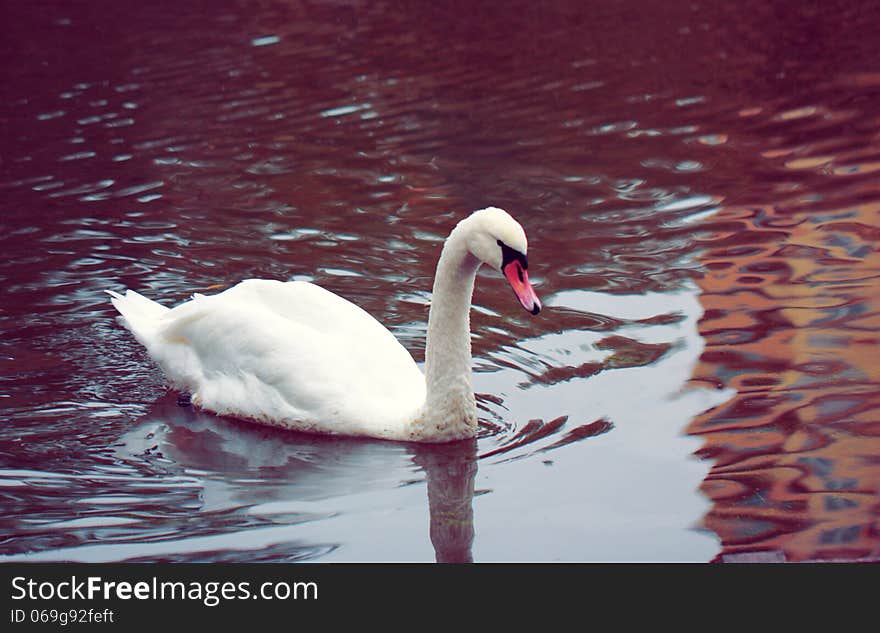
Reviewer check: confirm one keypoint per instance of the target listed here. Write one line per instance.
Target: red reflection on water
(791, 322)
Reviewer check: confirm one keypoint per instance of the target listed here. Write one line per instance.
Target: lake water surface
(700, 183)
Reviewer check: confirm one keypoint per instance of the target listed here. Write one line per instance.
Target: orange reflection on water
(792, 310)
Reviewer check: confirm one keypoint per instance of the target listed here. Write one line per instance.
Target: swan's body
(294, 355)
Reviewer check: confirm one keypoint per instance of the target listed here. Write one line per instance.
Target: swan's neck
(450, 410)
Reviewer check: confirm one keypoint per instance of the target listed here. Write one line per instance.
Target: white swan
(294, 355)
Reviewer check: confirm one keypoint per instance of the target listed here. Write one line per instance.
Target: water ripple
(700, 193)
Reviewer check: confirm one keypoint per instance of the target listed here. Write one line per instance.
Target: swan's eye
(510, 255)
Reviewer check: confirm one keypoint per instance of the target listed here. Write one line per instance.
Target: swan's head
(497, 240)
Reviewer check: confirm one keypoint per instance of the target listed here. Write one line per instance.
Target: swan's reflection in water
(248, 472)
(451, 469)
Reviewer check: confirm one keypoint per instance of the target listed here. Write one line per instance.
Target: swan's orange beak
(519, 281)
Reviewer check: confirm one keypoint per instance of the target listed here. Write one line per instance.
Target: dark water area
(700, 184)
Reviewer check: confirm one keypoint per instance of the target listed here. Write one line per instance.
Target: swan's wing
(273, 349)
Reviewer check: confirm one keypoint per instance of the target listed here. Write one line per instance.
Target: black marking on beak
(511, 254)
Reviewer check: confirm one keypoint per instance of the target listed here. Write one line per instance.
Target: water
(699, 184)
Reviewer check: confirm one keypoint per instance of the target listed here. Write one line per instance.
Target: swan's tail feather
(141, 316)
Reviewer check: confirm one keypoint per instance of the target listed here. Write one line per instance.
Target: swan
(294, 355)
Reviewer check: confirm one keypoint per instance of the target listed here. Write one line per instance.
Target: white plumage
(295, 355)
